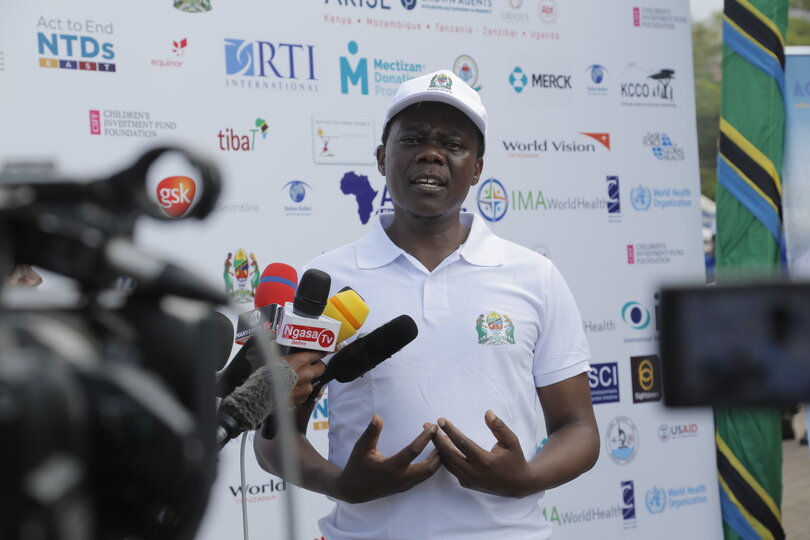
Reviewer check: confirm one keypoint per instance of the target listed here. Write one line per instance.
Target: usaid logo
(677, 431)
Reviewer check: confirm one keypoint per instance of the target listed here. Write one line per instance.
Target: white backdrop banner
(591, 160)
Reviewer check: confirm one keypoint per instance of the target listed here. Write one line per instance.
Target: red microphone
(277, 286)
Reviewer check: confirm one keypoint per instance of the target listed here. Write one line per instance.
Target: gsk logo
(175, 195)
(354, 76)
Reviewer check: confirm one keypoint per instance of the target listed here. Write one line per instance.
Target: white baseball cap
(443, 86)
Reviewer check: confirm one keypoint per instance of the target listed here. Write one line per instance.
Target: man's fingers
(368, 439)
(464, 444)
(453, 460)
(506, 437)
(412, 451)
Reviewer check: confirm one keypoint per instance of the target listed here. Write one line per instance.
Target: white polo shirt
(495, 321)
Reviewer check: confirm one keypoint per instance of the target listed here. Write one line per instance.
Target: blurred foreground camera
(107, 409)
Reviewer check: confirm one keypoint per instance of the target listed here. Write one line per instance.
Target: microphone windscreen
(252, 356)
(312, 294)
(368, 351)
(349, 308)
(250, 403)
(277, 285)
(222, 339)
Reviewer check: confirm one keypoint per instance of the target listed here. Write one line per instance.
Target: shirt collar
(482, 248)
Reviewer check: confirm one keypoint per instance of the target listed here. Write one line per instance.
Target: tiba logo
(495, 329)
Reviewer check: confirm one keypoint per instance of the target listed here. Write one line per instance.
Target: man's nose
(430, 152)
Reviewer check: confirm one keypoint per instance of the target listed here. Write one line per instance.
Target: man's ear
(479, 167)
(381, 159)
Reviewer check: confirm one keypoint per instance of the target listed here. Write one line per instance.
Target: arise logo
(175, 195)
(231, 140)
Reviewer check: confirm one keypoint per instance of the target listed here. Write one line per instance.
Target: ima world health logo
(75, 44)
(270, 65)
(621, 440)
(493, 201)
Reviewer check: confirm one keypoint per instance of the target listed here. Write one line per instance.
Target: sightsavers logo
(646, 372)
(75, 44)
(493, 201)
(387, 74)
(270, 65)
(175, 195)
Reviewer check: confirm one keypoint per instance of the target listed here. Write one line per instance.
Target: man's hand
(307, 365)
(501, 471)
(369, 475)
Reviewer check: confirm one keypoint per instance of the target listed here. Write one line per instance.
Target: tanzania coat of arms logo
(241, 276)
(442, 80)
(495, 329)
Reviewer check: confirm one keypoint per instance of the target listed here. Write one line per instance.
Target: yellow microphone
(350, 309)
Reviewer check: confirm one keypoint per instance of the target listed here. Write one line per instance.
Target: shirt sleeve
(561, 350)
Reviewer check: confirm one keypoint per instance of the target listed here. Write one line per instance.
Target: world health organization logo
(492, 200)
(640, 197)
(518, 79)
(656, 500)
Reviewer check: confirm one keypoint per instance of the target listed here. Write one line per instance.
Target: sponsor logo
(535, 147)
(231, 140)
(127, 123)
(465, 6)
(178, 49)
(515, 14)
(676, 431)
(308, 334)
(371, 4)
(236, 208)
(495, 329)
(643, 198)
(270, 66)
(640, 86)
(800, 90)
(467, 70)
(518, 79)
(656, 18)
(75, 44)
(193, 6)
(297, 191)
(241, 277)
(565, 517)
(175, 195)
(663, 148)
(548, 11)
(320, 415)
(604, 382)
(492, 200)
(358, 186)
(387, 74)
(652, 253)
(596, 327)
(595, 85)
(614, 206)
(408, 4)
(342, 140)
(621, 440)
(646, 371)
(254, 493)
(636, 316)
(628, 504)
(656, 500)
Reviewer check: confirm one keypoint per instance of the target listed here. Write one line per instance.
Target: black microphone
(303, 326)
(221, 339)
(246, 407)
(250, 357)
(366, 353)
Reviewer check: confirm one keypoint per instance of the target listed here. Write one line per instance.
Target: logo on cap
(441, 81)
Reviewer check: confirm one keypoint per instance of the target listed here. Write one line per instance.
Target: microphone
(277, 286)
(350, 309)
(222, 338)
(251, 356)
(366, 353)
(303, 325)
(246, 407)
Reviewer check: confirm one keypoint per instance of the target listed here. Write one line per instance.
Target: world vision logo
(646, 378)
(175, 195)
(495, 329)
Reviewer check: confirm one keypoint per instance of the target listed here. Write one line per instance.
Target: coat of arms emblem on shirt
(495, 329)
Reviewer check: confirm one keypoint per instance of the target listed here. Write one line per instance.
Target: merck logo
(265, 59)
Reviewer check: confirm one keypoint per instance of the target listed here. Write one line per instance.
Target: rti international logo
(596, 84)
(662, 147)
(175, 195)
(628, 504)
(621, 440)
(242, 140)
(646, 373)
(643, 198)
(297, 192)
(614, 204)
(270, 65)
(666, 432)
(540, 81)
(386, 74)
(658, 499)
(583, 143)
(75, 44)
(128, 124)
(604, 382)
(643, 87)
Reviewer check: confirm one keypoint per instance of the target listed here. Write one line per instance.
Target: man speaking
(440, 441)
